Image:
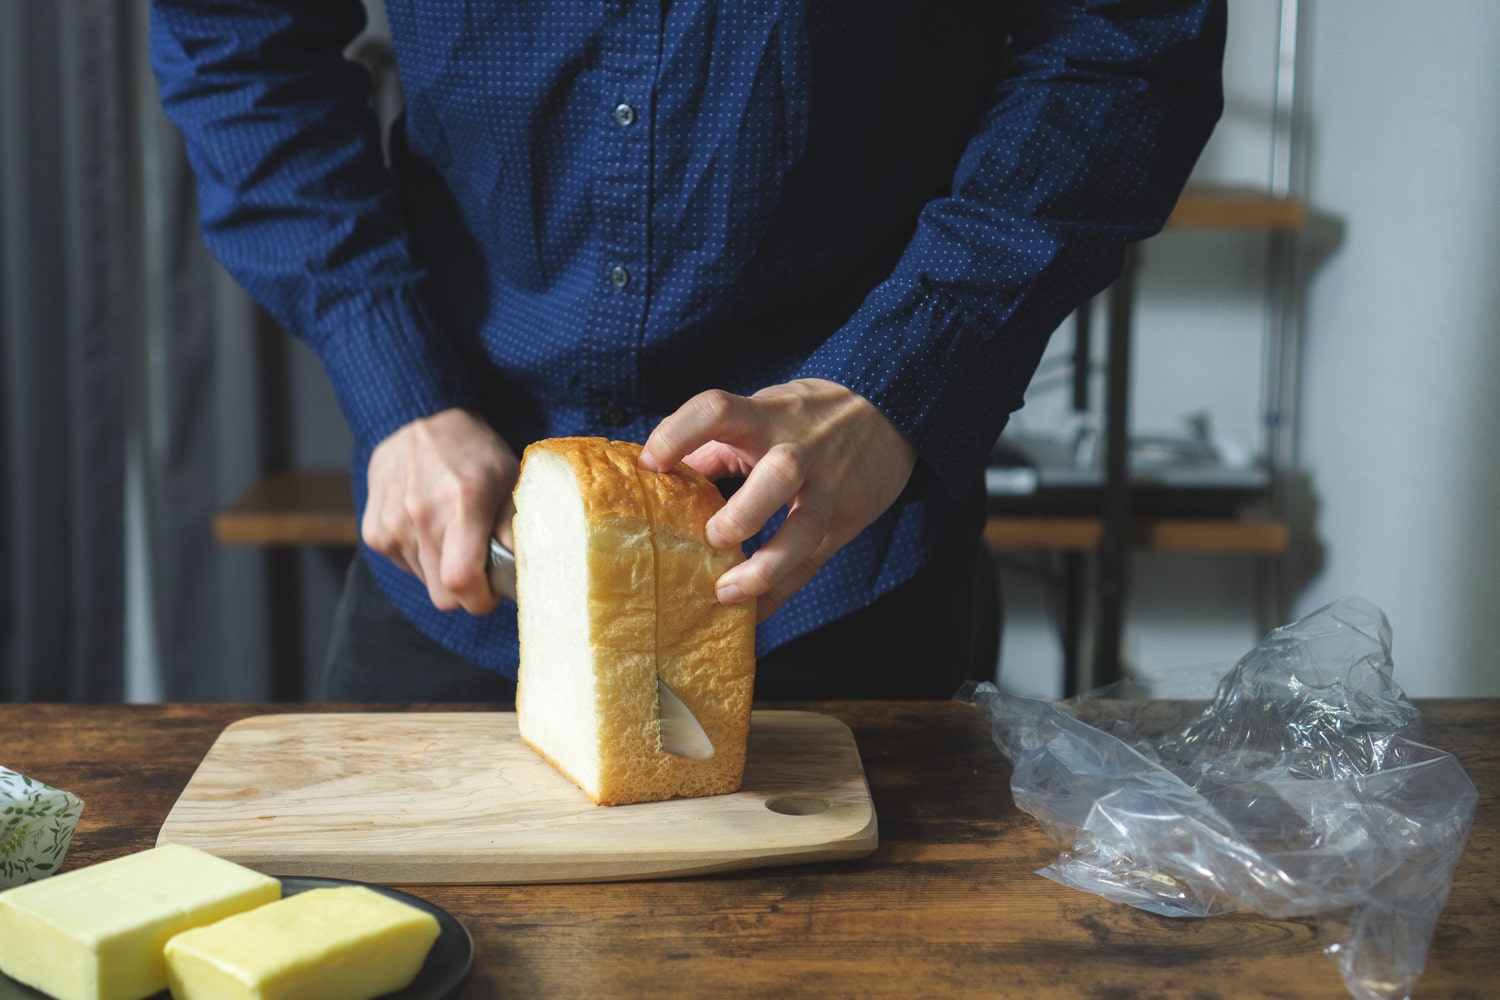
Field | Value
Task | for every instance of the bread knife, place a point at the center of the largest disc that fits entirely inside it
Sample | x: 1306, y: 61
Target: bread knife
x: 682, y: 734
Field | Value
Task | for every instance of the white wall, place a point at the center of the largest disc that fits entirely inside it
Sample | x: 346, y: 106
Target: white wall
x: 1401, y: 411
x: 1399, y: 140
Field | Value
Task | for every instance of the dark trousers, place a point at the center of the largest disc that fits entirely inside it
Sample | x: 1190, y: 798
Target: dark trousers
x: 920, y: 641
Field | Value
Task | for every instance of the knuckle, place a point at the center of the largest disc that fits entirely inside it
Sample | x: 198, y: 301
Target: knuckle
x: 756, y: 578
x: 806, y: 570
x: 459, y: 578
x: 418, y: 509
x: 717, y: 405
x: 794, y: 581
x: 788, y: 461
x: 383, y: 533
x: 811, y: 529
x: 371, y: 530
x: 731, y: 523
x: 469, y: 485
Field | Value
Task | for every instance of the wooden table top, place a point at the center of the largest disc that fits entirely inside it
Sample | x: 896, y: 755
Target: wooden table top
x: 947, y: 906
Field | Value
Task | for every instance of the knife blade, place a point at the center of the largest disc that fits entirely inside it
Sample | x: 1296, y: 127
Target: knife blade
x: 682, y: 734
x: 502, y: 570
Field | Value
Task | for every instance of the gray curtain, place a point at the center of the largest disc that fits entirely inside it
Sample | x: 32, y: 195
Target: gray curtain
x: 201, y: 423
x: 68, y: 308
x: 142, y: 392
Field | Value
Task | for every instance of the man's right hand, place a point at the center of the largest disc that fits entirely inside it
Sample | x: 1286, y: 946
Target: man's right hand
x: 438, y: 488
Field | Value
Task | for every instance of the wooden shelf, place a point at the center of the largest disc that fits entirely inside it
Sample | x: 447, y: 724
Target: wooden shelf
x: 313, y: 507
x: 1251, y: 536
x: 299, y: 507
x: 1235, y: 208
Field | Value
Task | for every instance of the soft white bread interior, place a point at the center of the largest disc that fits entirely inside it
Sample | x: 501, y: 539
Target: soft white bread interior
x: 615, y: 586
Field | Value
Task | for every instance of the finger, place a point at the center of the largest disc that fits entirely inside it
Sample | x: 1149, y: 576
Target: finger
x: 402, y: 548
x: 429, y: 556
x: 373, y: 534
x: 464, y: 559
x: 466, y: 532
x: 383, y: 534
x: 431, y: 575
x: 777, y: 478
x: 799, y: 539
x: 708, y: 416
x: 716, y: 460
x: 456, y: 535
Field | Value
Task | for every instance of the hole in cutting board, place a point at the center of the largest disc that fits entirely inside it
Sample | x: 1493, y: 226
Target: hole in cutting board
x: 794, y: 805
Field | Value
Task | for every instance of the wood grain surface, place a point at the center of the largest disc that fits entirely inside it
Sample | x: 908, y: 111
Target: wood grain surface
x: 947, y: 906
x: 457, y: 797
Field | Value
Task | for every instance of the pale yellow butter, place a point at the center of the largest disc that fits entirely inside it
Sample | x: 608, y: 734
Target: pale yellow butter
x: 345, y: 943
x: 98, y: 933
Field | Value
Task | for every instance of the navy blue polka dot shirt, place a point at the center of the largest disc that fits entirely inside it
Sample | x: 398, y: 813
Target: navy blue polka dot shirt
x: 592, y: 211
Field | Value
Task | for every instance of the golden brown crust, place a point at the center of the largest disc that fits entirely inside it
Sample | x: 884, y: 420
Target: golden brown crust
x: 651, y: 588
x: 705, y: 652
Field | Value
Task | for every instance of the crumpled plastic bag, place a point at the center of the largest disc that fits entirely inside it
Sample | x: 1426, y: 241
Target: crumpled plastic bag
x: 1300, y: 790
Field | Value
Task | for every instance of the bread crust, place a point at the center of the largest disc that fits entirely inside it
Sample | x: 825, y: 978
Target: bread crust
x: 652, y: 611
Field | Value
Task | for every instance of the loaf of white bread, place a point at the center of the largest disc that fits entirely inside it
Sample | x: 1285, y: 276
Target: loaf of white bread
x: 615, y: 586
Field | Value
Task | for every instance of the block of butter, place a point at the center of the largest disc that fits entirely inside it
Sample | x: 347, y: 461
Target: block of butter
x: 344, y: 943
x: 99, y: 933
x: 36, y: 827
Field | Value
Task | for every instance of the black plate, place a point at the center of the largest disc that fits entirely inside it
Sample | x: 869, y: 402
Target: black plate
x: 439, y: 978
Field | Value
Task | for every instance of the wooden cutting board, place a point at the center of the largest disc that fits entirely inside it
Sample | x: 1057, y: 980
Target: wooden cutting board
x: 400, y: 798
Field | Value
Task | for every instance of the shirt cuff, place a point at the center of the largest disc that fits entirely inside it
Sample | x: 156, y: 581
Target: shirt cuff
x: 390, y: 364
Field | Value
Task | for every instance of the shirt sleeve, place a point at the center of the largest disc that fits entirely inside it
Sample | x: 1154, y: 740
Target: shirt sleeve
x: 1102, y: 110
x: 295, y: 198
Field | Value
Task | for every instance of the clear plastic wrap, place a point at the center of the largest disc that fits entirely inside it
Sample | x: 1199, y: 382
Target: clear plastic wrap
x: 1300, y: 790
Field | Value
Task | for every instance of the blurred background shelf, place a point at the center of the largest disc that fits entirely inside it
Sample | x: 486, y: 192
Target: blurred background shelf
x: 1248, y: 536
x: 291, y: 507
x: 313, y: 507
x: 1236, y: 208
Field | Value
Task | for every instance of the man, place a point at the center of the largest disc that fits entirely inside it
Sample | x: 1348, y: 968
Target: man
x: 815, y: 247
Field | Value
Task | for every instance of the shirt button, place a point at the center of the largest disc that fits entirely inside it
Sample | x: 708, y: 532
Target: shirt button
x: 624, y: 115
x: 618, y: 276
x: 613, y: 417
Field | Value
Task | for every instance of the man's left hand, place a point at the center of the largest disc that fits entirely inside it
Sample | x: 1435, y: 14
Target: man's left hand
x: 811, y: 445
